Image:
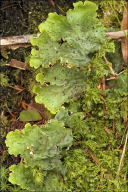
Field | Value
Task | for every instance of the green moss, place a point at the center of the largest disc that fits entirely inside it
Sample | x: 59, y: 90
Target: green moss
x: 105, y: 13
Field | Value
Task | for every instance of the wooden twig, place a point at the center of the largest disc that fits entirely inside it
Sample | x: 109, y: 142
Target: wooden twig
x: 107, y: 130
x: 103, y: 83
x: 25, y: 39
x: 122, y: 72
x: 122, y: 156
x: 116, y: 35
x: 103, y: 96
x: 94, y: 158
x: 111, y: 78
x: 109, y: 87
x: 21, y: 161
x: 123, y: 137
x: 11, y: 114
x: 18, y: 64
x: 114, y: 77
x: 18, y: 88
x: 110, y: 68
x: 88, y: 114
x: 113, y: 125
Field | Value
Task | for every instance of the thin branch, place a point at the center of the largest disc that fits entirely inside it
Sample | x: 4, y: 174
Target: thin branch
x: 116, y: 35
x: 111, y: 78
x: 107, y: 130
x: 88, y: 113
x: 113, y: 126
x: 122, y: 156
x: 122, y: 137
x: 15, y: 40
x: 93, y: 157
x: 122, y: 71
x: 114, y: 77
x: 25, y: 39
x: 110, y: 68
x: 109, y: 87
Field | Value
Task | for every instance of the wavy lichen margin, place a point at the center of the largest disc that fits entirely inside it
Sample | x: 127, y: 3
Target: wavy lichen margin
x: 70, y: 39
x: 58, y: 85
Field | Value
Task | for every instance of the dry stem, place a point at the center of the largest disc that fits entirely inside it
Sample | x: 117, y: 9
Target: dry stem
x: 25, y: 39
x: 122, y: 156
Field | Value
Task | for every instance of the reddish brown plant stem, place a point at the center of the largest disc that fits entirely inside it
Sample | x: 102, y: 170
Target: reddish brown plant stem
x: 88, y: 113
x: 113, y: 126
x: 94, y: 158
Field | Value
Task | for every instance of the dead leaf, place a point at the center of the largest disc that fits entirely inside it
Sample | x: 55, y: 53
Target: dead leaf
x: 52, y: 3
x: 24, y: 105
x: 124, y: 41
x: 45, y: 114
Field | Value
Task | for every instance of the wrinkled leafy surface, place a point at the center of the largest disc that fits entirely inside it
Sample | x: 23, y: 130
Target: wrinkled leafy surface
x: 28, y: 179
x: 22, y: 176
x: 70, y: 38
x: 75, y: 121
x: 47, y: 52
x: 65, y: 83
x: 62, y: 115
x: 40, y: 146
x: 52, y: 183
